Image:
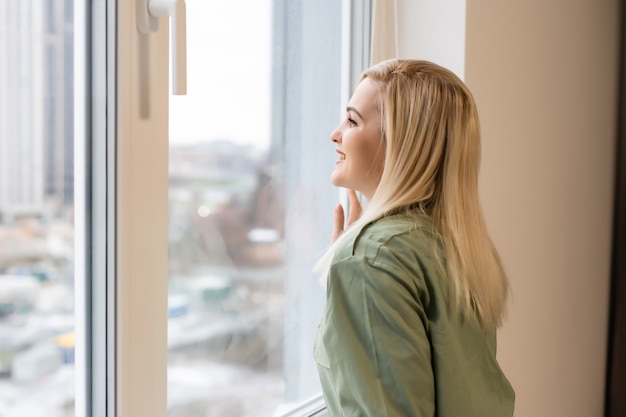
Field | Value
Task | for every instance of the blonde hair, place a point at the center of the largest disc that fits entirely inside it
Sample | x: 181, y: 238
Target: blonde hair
x: 432, y: 158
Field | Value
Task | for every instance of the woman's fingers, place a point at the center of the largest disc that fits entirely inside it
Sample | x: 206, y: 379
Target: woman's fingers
x: 338, y: 222
x: 339, y: 218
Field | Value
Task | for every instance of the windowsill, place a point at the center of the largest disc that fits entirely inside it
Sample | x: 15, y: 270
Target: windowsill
x: 314, y: 406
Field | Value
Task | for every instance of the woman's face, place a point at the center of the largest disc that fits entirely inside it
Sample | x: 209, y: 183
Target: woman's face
x: 359, y: 142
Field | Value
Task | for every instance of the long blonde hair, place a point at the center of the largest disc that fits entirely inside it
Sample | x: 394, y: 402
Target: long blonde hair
x: 432, y: 158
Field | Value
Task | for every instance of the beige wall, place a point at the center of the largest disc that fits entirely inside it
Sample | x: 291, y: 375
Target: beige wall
x: 544, y: 74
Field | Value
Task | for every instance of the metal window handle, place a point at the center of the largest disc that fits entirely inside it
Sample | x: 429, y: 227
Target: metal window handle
x: 148, y: 12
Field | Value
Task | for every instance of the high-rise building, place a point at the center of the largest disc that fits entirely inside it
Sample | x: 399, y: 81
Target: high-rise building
x: 36, y: 107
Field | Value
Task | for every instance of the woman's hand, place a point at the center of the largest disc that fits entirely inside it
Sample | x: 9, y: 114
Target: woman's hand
x: 339, y: 219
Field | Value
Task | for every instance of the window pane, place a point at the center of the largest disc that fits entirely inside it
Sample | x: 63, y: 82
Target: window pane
x: 250, y: 203
x: 36, y: 208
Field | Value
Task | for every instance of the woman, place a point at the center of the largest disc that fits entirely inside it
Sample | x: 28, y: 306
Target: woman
x: 415, y: 286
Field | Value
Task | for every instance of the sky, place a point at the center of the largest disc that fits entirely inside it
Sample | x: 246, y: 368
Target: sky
x: 228, y: 74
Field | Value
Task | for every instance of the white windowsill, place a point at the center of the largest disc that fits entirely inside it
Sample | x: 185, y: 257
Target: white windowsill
x: 314, y: 406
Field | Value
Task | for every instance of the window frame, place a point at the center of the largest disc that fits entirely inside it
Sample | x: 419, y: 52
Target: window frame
x: 95, y: 182
x: 141, y: 204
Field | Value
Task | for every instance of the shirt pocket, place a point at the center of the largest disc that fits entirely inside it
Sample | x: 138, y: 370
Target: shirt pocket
x: 319, y: 351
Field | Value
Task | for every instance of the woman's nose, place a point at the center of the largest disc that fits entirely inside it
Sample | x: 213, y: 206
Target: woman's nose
x: 335, y: 135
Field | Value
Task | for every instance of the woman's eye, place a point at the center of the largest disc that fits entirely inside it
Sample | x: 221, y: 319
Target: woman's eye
x: 351, y: 122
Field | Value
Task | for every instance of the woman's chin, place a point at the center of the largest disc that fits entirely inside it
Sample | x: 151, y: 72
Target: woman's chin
x: 335, y: 180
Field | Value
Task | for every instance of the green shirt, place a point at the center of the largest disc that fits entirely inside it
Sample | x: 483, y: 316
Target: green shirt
x: 390, y: 342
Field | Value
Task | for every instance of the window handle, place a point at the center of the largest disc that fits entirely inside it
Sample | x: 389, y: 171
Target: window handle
x: 148, y: 12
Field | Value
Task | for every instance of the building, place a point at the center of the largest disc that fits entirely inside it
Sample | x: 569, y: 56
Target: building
x: 36, y: 109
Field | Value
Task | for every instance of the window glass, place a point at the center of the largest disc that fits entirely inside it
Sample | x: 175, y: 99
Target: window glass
x: 250, y: 203
x: 36, y: 208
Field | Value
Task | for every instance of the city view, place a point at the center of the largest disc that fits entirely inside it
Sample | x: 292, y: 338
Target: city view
x: 226, y: 295
x: 36, y: 208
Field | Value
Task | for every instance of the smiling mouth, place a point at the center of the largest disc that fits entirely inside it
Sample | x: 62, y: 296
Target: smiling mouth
x: 342, y: 156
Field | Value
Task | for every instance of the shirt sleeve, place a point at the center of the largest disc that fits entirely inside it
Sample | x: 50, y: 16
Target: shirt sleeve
x: 375, y: 337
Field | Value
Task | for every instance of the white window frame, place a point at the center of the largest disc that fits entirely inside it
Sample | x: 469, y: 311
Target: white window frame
x: 94, y: 176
